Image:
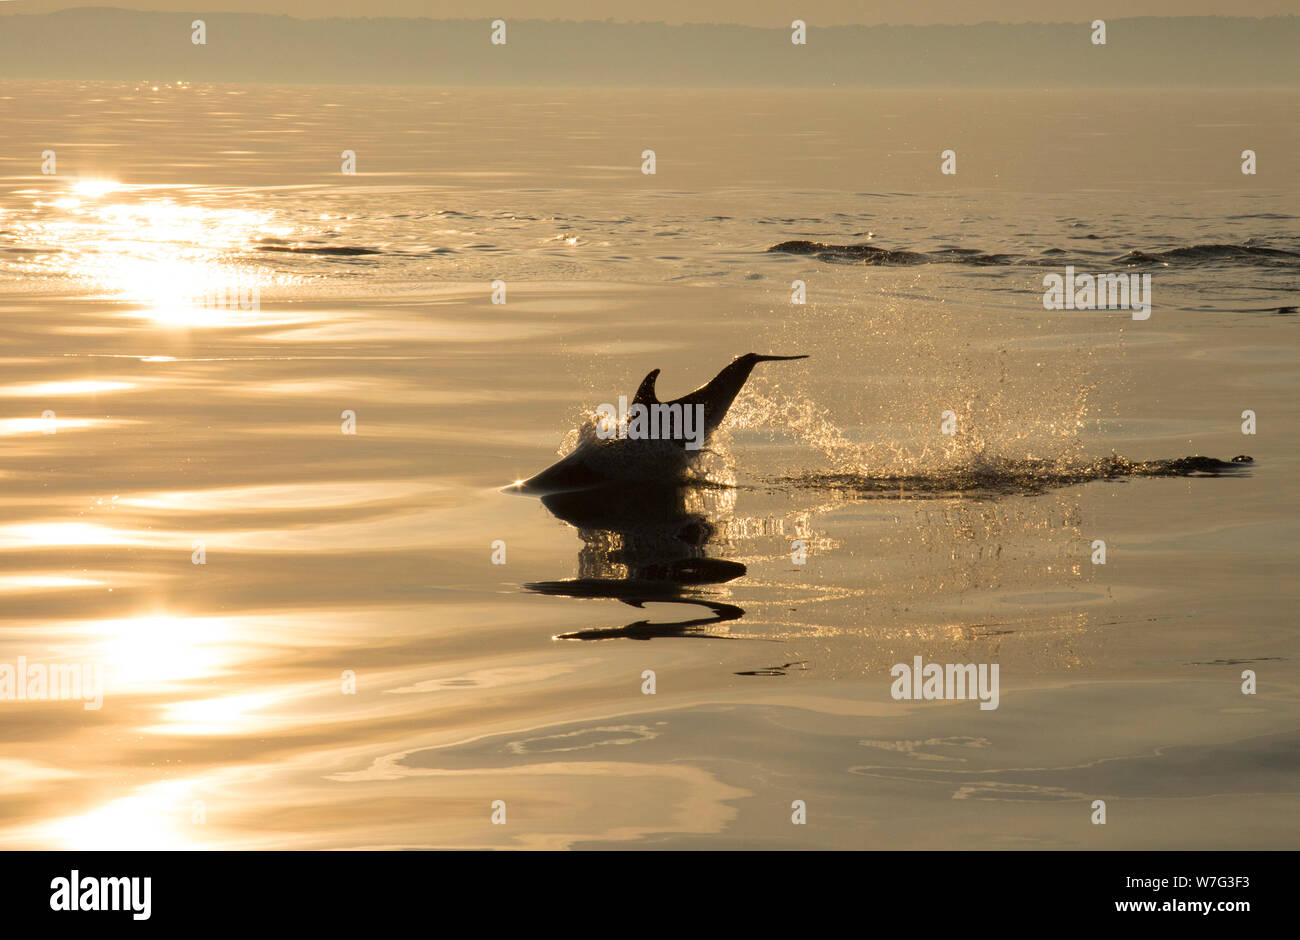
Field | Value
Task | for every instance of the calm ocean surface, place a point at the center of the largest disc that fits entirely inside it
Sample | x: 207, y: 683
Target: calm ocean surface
x: 348, y: 666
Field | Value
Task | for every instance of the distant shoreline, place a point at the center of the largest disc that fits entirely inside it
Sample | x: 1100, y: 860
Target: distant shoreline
x: 105, y: 43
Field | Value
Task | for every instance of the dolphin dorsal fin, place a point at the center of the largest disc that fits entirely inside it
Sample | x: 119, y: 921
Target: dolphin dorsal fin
x: 645, y: 394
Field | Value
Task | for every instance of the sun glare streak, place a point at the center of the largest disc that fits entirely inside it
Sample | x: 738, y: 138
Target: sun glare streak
x: 94, y: 188
x: 160, y: 649
x: 40, y: 582
x: 228, y: 714
x: 147, y: 821
x: 10, y: 426
x: 51, y: 389
x: 48, y: 534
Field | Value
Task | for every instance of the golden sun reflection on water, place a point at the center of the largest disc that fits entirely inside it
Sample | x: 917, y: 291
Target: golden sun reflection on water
x: 152, y: 819
x: 32, y: 582
x: 53, y: 389
x: 10, y: 426
x: 171, y: 258
x: 159, y: 648
x: 96, y: 187
x: 230, y: 714
x: 49, y: 534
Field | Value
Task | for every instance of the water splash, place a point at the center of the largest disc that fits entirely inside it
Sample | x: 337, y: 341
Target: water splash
x: 991, y: 477
x: 984, y: 459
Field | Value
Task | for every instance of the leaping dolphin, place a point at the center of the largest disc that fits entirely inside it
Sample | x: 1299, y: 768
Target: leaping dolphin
x: 598, y: 463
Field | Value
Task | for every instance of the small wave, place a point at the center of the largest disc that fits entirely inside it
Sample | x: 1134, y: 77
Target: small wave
x: 1189, y: 254
x: 1010, y: 477
x: 1247, y: 254
x: 321, y: 249
x: 870, y: 254
x: 850, y: 254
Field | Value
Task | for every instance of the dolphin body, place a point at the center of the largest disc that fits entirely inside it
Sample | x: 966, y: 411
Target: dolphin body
x: 595, y: 464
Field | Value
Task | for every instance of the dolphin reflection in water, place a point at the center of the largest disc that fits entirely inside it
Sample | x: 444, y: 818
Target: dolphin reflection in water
x: 647, y: 547
x: 643, y: 521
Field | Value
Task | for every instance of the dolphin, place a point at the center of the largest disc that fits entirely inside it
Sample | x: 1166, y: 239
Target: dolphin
x: 595, y: 464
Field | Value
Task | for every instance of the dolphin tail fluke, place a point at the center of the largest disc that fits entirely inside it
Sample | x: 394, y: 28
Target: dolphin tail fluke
x: 717, y: 395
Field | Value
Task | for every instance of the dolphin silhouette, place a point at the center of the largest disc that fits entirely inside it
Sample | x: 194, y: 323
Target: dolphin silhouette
x: 595, y: 464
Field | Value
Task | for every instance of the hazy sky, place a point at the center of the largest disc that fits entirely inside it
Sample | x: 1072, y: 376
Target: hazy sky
x: 750, y: 12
